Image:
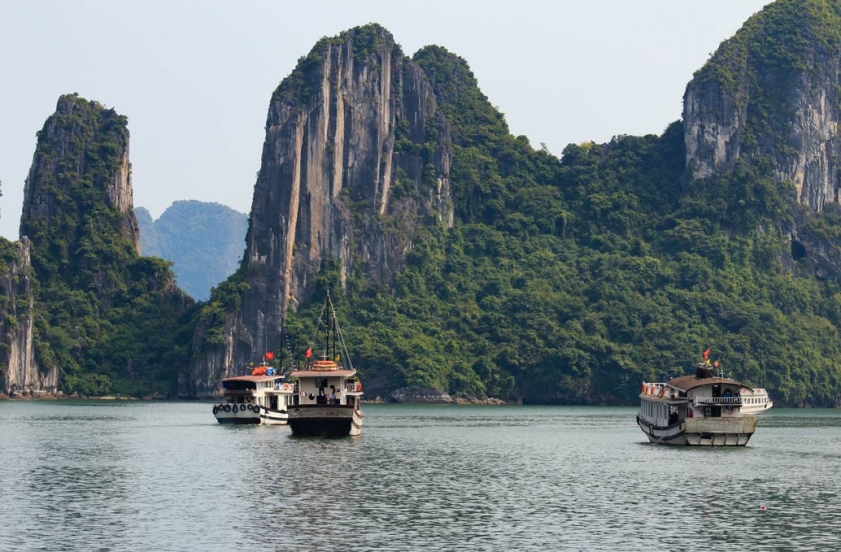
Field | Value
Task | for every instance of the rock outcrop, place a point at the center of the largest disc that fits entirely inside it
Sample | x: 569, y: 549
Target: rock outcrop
x: 772, y: 92
x: 19, y: 374
x: 106, y: 318
x: 76, y: 145
x: 355, y: 164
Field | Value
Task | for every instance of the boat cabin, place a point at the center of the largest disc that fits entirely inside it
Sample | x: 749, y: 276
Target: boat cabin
x: 323, y: 383
x: 269, y: 391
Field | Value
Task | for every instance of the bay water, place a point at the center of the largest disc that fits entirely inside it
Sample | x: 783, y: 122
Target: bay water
x: 132, y: 475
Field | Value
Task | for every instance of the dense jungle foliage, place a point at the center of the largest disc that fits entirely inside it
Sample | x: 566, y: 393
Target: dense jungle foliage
x: 109, y: 319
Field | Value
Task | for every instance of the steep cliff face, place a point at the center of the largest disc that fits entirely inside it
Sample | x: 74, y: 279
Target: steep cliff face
x: 356, y: 160
x: 772, y: 91
x: 18, y: 370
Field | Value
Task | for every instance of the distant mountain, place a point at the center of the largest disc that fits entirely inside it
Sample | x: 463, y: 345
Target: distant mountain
x: 205, y: 242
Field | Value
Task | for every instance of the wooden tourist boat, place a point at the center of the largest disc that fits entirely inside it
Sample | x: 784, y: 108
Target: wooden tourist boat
x: 328, y: 393
x: 702, y: 409
x: 261, y: 398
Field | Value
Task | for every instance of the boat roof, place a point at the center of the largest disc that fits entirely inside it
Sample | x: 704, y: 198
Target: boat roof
x: 685, y: 383
x: 252, y: 378
x: 322, y: 373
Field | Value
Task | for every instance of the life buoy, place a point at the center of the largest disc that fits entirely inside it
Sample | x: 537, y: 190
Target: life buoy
x: 215, y: 409
x: 358, y: 386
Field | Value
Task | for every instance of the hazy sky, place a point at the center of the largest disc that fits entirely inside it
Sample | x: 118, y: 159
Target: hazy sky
x: 195, y: 77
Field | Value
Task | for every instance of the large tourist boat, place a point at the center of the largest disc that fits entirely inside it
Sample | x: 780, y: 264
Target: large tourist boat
x: 701, y: 409
x: 328, y: 391
x: 260, y: 398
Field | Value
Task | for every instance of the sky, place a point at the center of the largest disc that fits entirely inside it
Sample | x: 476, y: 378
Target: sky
x: 194, y: 77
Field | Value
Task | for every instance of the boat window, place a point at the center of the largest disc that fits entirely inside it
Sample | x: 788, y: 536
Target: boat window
x: 238, y: 385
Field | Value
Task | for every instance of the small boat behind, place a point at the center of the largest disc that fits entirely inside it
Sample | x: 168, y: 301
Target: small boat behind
x: 256, y: 399
x: 755, y: 401
x: 702, y: 409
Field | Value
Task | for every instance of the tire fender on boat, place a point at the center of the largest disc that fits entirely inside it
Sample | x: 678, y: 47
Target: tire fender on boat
x: 235, y: 409
x: 227, y: 408
x: 215, y: 409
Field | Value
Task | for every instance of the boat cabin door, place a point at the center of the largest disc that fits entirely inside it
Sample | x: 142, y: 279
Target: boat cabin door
x: 273, y: 402
x: 715, y: 410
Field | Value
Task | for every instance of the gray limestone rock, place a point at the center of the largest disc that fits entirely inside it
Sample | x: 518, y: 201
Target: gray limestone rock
x: 356, y: 164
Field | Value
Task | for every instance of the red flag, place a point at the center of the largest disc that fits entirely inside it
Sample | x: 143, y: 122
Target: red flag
x: 270, y: 355
x: 707, y: 353
x: 308, y: 354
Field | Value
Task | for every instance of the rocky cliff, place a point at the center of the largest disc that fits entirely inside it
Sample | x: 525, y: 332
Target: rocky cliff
x: 772, y: 92
x: 105, y: 318
x: 19, y: 373
x: 355, y: 164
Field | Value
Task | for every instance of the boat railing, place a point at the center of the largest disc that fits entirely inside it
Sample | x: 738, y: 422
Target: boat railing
x: 732, y: 400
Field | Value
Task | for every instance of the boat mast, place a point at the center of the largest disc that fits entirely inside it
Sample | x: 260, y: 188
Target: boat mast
x: 282, y: 325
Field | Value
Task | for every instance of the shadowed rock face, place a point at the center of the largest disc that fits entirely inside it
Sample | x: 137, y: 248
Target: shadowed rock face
x: 20, y: 373
x: 356, y: 160
x: 772, y: 91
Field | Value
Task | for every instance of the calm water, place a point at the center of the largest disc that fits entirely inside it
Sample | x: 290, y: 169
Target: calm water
x: 98, y: 475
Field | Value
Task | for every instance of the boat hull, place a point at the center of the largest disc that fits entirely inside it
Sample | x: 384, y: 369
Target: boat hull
x: 702, y: 431
x: 250, y: 416
x: 325, y: 420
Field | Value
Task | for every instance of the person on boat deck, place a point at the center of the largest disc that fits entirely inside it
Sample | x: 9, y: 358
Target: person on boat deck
x: 332, y: 392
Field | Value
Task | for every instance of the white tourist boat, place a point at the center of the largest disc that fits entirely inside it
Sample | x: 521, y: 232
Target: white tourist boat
x: 755, y: 401
x: 255, y: 399
x: 703, y: 409
x: 328, y: 392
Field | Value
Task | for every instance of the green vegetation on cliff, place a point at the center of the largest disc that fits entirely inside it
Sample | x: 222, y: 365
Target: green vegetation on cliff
x: 573, y: 280
x: 110, y: 320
